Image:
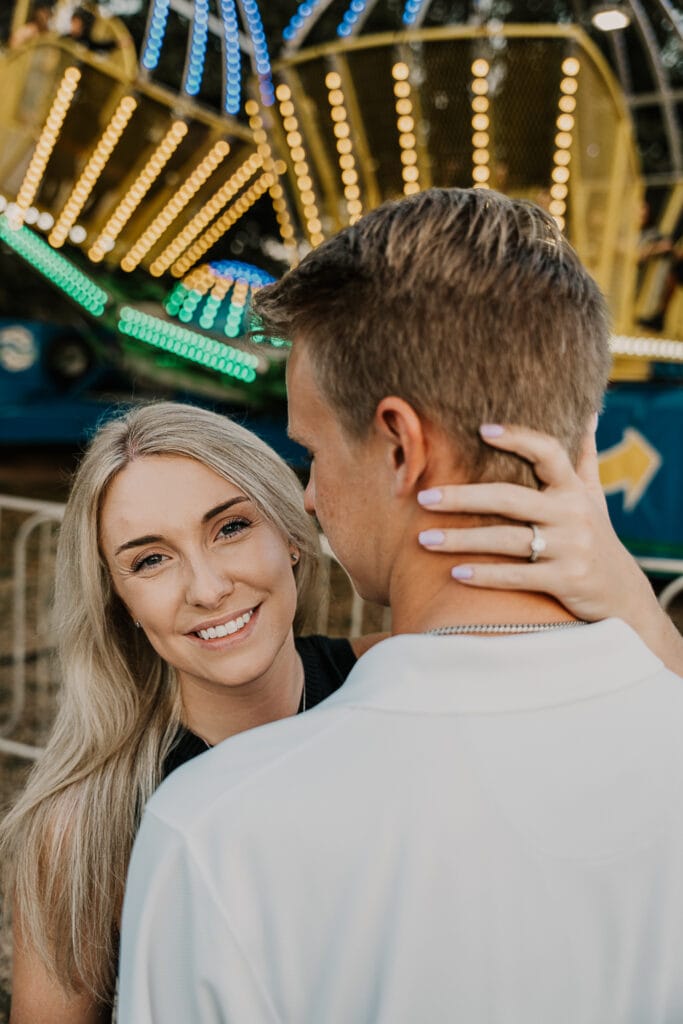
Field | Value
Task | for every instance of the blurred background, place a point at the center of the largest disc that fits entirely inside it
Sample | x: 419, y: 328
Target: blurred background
x: 164, y: 159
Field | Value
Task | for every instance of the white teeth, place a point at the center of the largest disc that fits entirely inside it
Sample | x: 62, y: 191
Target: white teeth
x: 225, y: 628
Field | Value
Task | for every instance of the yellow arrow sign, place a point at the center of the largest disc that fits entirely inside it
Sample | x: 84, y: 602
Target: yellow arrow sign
x: 629, y: 467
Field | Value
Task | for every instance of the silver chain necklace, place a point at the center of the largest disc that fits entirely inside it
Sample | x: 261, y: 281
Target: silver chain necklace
x: 505, y: 627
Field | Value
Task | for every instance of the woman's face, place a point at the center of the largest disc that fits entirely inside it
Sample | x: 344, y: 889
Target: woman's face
x: 208, y: 578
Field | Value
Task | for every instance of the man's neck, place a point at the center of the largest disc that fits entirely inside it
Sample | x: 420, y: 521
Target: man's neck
x: 424, y: 596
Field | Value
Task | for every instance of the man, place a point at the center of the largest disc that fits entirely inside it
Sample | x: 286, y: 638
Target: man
x: 475, y: 827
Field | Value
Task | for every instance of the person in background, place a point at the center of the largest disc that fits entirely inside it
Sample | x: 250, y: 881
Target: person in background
x: 81, y: 30
x: 39, y: 24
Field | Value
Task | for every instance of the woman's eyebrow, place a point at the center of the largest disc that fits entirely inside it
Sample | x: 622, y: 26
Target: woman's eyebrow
x: 207, y: 517
x: 138, y: 542
x: 221, y: 508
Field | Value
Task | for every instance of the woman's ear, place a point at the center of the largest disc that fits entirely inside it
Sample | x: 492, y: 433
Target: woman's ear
x: 403, y: 432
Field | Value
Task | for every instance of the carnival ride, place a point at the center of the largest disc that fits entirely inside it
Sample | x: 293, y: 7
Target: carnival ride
x: 133, y: 159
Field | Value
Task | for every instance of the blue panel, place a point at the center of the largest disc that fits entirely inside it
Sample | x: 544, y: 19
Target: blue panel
x: 639, y: 441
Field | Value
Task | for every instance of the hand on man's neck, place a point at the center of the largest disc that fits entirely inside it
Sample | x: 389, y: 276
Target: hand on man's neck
x: 423, y: 595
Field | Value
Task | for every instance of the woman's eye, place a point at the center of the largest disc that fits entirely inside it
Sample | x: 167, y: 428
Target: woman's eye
x: 148, y: 562
x: 233, y: 527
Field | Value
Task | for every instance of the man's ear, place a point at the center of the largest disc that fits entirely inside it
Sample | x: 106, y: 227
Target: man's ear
x: 403, y: 432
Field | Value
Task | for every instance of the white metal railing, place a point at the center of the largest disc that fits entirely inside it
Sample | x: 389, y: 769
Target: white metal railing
x: 665, y: 567
x: 36, y: 533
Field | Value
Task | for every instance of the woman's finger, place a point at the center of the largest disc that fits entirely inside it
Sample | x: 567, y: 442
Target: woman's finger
x: 505, y: 575
x: 514, y: 541
x: 510, y: 500
x: 588, y: 469
x: 550, y: 460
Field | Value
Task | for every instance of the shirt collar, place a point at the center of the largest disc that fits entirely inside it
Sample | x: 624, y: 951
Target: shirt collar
x: 491, y: 675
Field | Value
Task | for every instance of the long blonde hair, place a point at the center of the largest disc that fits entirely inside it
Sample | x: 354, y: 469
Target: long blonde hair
x: 68, y: 839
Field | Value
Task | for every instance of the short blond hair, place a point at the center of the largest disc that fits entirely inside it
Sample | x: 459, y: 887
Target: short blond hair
x: 471, y: 306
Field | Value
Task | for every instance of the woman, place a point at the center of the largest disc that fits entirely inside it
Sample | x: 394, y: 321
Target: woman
x: 186, y: 566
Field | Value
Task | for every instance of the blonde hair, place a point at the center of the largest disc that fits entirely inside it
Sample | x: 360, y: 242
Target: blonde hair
x: 68, y: 839
x: 472, y: 307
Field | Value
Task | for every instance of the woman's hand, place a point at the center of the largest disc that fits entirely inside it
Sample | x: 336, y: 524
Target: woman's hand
x: 584, y: 564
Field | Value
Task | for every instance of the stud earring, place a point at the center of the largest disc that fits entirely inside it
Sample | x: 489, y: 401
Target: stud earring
x: 294, y: 555
x: 137, y: 624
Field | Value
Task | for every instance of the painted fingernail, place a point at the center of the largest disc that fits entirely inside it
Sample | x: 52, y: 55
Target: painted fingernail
x: 462, y: 572
x: 431, y: 497
x: 491, y: 430
x: 431, y: 537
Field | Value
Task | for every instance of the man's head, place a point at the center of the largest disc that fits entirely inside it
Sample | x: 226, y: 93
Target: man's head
x: 426, y: 319
x: 471, y: 306
x: 42, y: 14
x: 82, y: 23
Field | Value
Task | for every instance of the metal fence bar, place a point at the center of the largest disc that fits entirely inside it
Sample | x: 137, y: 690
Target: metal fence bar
x: 666, y: 567
x: 42, y: 516
x: 15, y: 749
x: 19, y: 618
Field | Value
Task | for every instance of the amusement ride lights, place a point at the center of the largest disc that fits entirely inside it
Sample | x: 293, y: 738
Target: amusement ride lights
x: 213, y: 303
x: 202, y: 219
x: 261, y: 55
x: 299, y: 20
x: 156, y: 31
x: 194, y: 70
x: 651, y: 348
x: 46, y: 142
x: 223, y: 224
x: 238, y: 302
x: 351, y: 18
x: 405, y: 124
x: 297, y: 154
x: 175, y: 205
x: 92, y: 171
x: 196, y: 57
x: 480, y: 123
x: 137, y: 191
x: 233, y: 57
x: 563, y: 140
x: 217, y: 279
x: 277, y: 194
x: 411, y: 12
x: 342, y: 132
x: 55, y: 267
x: 215, y: 355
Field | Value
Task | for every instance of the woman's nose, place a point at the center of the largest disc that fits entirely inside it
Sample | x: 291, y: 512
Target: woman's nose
x: 208, y: 583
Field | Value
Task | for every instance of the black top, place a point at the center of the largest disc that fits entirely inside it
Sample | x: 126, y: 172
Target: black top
x: 327, y: 662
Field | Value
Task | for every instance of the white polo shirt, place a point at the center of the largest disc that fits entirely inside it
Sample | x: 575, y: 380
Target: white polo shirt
x: 472, y: 829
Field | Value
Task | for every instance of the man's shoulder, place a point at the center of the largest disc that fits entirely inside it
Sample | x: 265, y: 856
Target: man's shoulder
x: 241, y: 766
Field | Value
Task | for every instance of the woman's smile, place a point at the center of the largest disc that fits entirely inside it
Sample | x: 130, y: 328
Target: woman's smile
x: 233, y: 627
x: 199, y: 566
